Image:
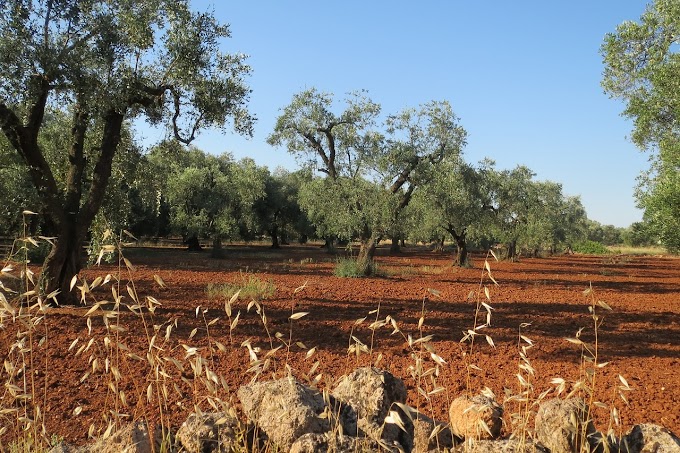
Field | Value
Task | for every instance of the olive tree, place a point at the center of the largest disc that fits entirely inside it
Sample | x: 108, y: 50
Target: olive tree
x: 418, y: 141
x: 371, y: 169
x: 642, y: 68
x: 553, y: 220
x: 278, y: 212
x: 458, y: 201
x: 344, y: 147
x: 106, y: 64
x: 515, y: 196
x: 213, y: 198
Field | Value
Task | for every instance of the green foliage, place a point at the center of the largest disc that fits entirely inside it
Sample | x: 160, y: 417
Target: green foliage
x: 457, y: 202
x: 588, y: 247
x: 605, y: 234
x: 642, y: 67
x: 212, y: 196
x: 345, y: 207
x: 639, y: 234
x: 16, y: 191
x: 99, y: 68
x: 37, y: 253
x: 249, y: 285
x: 659, y: 195
x: 371, y: 170
x: 278, y: 213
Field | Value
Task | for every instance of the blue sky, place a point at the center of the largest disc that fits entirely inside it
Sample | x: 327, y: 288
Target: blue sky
x: 523, y: 76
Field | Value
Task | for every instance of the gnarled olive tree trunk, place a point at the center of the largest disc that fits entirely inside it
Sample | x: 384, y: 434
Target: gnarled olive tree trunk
x: 461, y: 246
x: 368, y: 243
x: 67, y: 212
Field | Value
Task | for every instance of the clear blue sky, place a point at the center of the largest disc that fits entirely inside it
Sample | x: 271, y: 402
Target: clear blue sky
x: 523, y: 76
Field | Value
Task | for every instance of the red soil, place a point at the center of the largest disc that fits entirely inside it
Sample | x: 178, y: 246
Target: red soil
x: 640, y: 338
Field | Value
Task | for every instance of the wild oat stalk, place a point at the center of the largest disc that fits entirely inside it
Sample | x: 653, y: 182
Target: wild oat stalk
x: 524, y: 399
x: 590, y: 364
x: 22, y: 402
x: 481, y: 305
x: 259, y: 365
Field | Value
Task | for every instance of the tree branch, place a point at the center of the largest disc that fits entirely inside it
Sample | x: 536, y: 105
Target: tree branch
x: 175, y: 127
x: 37, y: 110
x: 25, y: 142
x: 46, y: 26
x: 113, y: 122
x: 76, y: 158
x: 331, y: 149
x: 318, y: 147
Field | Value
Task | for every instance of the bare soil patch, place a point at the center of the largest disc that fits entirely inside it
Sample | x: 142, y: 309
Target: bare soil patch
x: 640, y: 338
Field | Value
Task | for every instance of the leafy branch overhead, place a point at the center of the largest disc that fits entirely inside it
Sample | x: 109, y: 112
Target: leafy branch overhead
x: 642, y: 68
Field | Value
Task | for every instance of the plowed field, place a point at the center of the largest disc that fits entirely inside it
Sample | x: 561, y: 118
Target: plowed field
x: 639, y: 338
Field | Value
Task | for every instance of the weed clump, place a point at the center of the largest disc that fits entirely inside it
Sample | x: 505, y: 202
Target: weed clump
x: 248, y: 286
x: 351, y: 268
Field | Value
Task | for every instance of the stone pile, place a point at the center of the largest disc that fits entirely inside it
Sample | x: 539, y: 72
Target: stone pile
x: 367, y: 412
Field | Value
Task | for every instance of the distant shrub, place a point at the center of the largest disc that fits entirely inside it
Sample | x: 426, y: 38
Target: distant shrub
x: 590, y: 248
x: 350, y: 268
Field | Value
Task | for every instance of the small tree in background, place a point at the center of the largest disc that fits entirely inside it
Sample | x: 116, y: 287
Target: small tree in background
x: 457, y: 202
x: 213, y: 198
x: 515, y: 196
x: 279, y: 213
x: 344, y: 148
x: 418, y: 142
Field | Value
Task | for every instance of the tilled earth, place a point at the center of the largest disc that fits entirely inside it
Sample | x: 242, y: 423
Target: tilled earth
x: 544, y: 297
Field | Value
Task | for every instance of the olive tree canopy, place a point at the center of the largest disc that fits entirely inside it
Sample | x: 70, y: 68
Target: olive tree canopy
x: 107, y: 63
x: 642, y: 67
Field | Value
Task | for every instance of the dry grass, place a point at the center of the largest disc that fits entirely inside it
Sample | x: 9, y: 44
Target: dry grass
x: 631, y: 250
x: 248, y: 285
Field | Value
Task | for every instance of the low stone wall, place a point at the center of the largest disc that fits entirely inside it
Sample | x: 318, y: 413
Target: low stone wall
x: 367, y: 412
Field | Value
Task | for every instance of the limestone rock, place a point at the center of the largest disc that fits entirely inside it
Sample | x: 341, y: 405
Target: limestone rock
x: 423, y: 439
x: 468, y: 416
x: 322, y: 443
x: 133, y: 438
x: 500, y: 446
x: 215, y: 432
x: 650, y: 438
x: 285, y: 410
x: 372, y: 393
x: 561, y: 425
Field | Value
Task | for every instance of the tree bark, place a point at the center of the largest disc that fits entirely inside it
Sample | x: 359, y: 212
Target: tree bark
x: 63, y: 262
x: 274, y: 233
x: 395, y: 247
x: 193, y: 244
x: 329, y: 245
x: 72, y: 220
x: 365, y: 258
x: 461, y: 246
x: 63, y: 211
x: 439, y: 244
x: 512, y: 250
x: 217, y: 250
x: 368, y: 243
